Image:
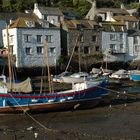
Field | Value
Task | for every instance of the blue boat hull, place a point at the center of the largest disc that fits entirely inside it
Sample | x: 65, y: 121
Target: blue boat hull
x: 135, y: 77
x: 17, y: 103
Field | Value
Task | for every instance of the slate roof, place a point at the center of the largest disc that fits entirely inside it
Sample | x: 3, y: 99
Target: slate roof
x: 136, y: 33
x: 50, y: 11
x: 21, y: 23
x: 89, y: 24
x: 126, y: 18
x: 113, y: 10
x: 114, y: 27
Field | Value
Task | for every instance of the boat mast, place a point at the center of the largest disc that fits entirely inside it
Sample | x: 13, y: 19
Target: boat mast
x: 79, y: 52
x: 48, y: 68
x: 9, y: 59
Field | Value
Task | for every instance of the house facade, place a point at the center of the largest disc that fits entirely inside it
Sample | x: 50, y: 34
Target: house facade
x: 131, y: 22
x: 27, y: 42
x: 50, y: 14
x: 134, y: 46
x: 84, y: 34
x: 114, y: 42
x: 102, y: 12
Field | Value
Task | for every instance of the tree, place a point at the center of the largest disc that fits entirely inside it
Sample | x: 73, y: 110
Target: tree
x: 18, y: 5
x: 6, y: 5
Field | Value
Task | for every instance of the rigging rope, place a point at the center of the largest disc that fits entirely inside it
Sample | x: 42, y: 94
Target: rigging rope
x: 72, y: 52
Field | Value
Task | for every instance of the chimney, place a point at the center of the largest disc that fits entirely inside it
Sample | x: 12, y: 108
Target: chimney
x: 94, y: 4
x: 35, y: 5
x: 122, y: 6
x: 109, y: 17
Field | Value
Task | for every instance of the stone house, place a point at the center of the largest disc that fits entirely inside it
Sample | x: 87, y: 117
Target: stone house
x: 90, y: 38
x: 51, y: 14
x: 26, y: 42
x: 101, y: 13
x: 131, y: 22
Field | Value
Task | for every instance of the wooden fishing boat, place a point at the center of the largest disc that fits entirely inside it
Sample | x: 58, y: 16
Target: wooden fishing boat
x: 82, y: 95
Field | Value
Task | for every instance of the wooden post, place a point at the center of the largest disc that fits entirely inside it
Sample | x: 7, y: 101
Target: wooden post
x: 48, y: 67
x: 9, y: 59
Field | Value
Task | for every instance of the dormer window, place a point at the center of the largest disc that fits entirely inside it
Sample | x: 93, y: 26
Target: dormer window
x: 44, y: 24
x: 30, y: 23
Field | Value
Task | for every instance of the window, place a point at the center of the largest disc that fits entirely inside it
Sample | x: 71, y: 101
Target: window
x: 81, y: 38
x: 76, y: 49
x: 94, y: 38
x: 11, y: 49
x: 49, y: 38
x: 45, y: 17
x: 39, y: 50
x: 112, y: 46
x: 11, y: 39
x: 112, y: 37
x: 136, y: 49
x: 52, y: 51
x: 39, y: 38
x: 27, y: 38
x: 135, y: 39
x: 121, y: 37
x: 28, y: 51
x: 86, y: 50
x: 97, y: 48
x: 30, y: 23
x: 121, y: 46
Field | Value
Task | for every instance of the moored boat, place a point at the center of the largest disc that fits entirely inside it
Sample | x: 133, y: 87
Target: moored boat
x: 135, y: 75
x: 82, y: 95
x: 120, y: 74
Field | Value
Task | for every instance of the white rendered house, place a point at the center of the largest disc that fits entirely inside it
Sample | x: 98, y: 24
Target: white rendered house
x: 27, y: 42
x: 114, y: 42
x: 50, y: 14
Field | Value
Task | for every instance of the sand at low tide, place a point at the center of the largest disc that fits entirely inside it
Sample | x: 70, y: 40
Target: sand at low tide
x: 117, y: 122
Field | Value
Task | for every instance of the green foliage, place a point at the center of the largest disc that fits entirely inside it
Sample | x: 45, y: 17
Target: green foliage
x: 6, y: 5
x: 75, y: 3
x: 79, y: 6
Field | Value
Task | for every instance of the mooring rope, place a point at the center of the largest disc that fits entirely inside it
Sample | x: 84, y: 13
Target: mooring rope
x: 25, y: 112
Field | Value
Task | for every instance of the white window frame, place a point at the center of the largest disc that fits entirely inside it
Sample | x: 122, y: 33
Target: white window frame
x: 39, y: 38
x: 27, y: 38
x: 49, y: 38
x: 112, y: 37
x: 52, y: 51
x: 39, y: 49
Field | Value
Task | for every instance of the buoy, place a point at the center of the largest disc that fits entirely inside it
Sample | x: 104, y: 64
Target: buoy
x: 35, y: 134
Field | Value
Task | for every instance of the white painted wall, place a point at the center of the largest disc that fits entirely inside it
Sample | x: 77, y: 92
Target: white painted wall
x: 133, y: 54
x: 106, y: 46
x: 34, y: 59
